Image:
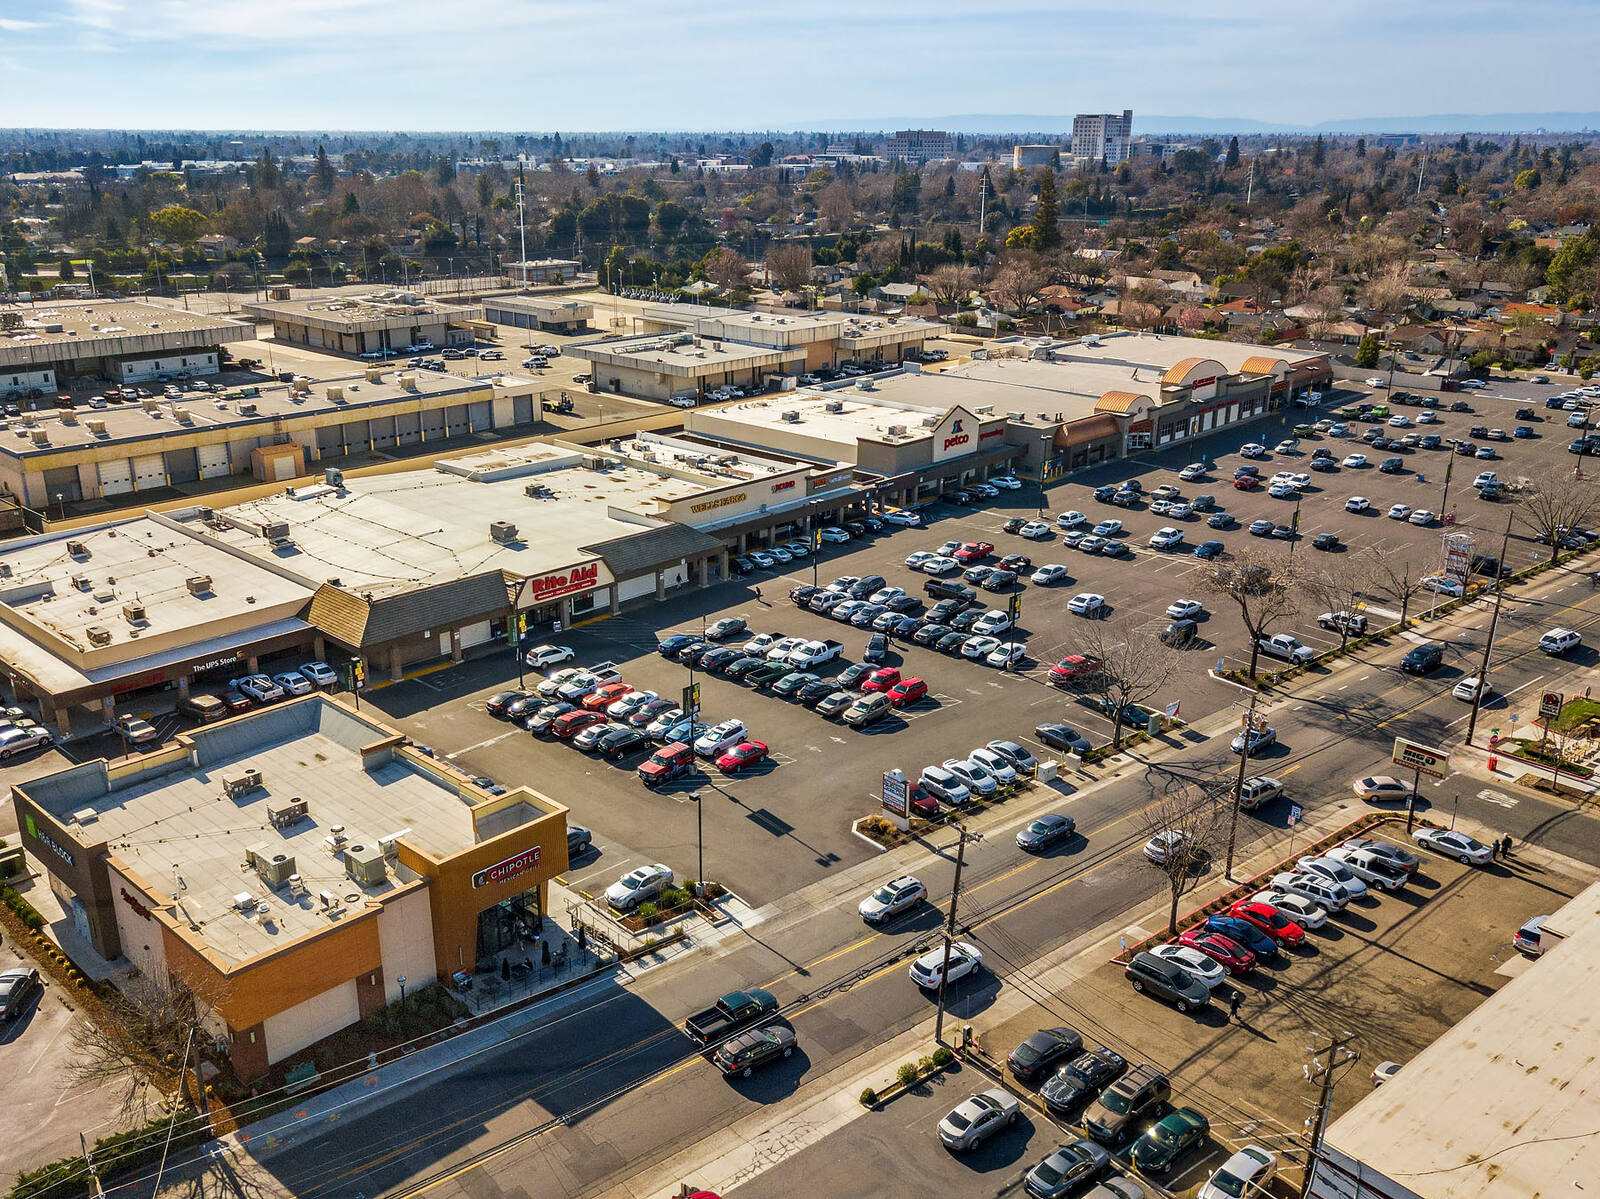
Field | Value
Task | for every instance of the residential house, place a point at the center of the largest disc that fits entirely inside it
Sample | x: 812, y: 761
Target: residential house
x: 1421, y: 339
x: 217, y: 246
x: 1516, y: 312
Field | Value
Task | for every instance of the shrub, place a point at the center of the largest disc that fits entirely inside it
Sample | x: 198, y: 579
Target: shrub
x: 925, y: 1065
x: 868, y: 1097
x: 906, y: 1074
x: 26, y: 912
x: 943, y: 1057
x: 649, y: 912
x: 672, y: 897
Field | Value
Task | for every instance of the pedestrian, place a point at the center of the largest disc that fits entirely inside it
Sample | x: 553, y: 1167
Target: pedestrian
x: 1505, y: 847
x: 758, y: 596
x: 1234, y: 1000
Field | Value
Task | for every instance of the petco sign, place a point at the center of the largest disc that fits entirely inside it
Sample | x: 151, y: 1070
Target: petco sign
x: 956, y: 434
x: 504, y: 872
x: 543, y: 588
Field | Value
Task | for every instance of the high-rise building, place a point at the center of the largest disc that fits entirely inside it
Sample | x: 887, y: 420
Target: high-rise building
x: 1102, y: 136
x: 1023, y: 157
x: 917, y: 146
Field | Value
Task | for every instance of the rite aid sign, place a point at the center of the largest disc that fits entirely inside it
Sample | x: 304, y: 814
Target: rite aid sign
x: 585, y: 576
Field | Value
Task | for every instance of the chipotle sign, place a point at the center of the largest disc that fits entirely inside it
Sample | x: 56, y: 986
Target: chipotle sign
x: 504, y: 872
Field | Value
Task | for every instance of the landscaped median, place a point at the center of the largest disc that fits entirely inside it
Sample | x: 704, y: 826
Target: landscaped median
x: 883, y: 833
x: 908, y: 1076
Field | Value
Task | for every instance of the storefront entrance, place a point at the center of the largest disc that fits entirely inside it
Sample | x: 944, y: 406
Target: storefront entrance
x: 510, y: 924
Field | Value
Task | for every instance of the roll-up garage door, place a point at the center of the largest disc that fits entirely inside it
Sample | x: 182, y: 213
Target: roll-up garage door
x: 456, y: 419
x: 382, y: 432
x: 116, y: 477
x: 522, y: 409
x: 474, y: 634
x: 481, y: 415
x: 62, y: 481
x: 213, y: 460
x: 328, y: 440
x: 182, y: 466
x: 433, y: 424
x: 357, y: 433
x: 407, y: 428
x: 149, y: 470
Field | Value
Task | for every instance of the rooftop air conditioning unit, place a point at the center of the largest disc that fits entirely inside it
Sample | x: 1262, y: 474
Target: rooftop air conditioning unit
x: 85, y: 816
x: 244, y: 901
x: 277, y: 530
x: 69, y: 417
x: 97, y: 428
x: 133, y: 613
x: 594, y: 462
x: 374, y: 374
x: 390, y: 845
x: 335, y: 395
x: 77, y: 549
x: 181, y: 415
x: 98, y: 634
x: 243, y: 783
x: 152, y: 406
x: 409, y: 381
x: 39, y: 437
x: 897, y: 430
x: 207, y: 515
x: 81, y: 582
x: 284, y: 815
x: 333, y: 477
x: 791, y: 416
x: 503, y: 531
x: 365, y: 864
x: 833, y: 406
x: 274, y: 866
x: 247, y: 409
x: 198, y: 584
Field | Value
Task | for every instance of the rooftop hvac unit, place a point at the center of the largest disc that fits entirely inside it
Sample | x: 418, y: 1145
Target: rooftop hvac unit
x: 85, y: 816
x: 69, y: 417
x: 77, y: 549
x: 274, y: 866
x: 98, y: 634
x: 503, y: 531
x: 181, y: 415
x: 833, y: 406
x: 594, y: 462
x: 244, y: 901
x: 246, y: 781
x: 333, y: 477
x: 97, y: 428
x: 374, y: 374
x: 152, y: 406
x: 282, y: 815
x: 791, y: 416
x: 409, y: 381
x: 335, y: 395
x: 207, y: 515
x: 277, y: 530
x: 897, y: 430
x: 81, y: 582
x: 198, y: 584
x: 365, y: 864
x: 930, y: 422
x: 39, y: 437
x: 247, y: 409
x: 133, y: 613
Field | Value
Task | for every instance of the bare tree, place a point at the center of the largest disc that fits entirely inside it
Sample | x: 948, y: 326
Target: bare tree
x: 139, y: 1049
x: 1188, y: 825
x: 1386, y: 291
x: 727, y: 269
x: 1393, y: 577
x: 1015, y: 283
x: 789, y: 264
x: 1134, y: 667
x: 949, y: 284
x: 1340, y: 586
x: 836, y: 207
x: 1262, y: 588
x: 1555, y: 501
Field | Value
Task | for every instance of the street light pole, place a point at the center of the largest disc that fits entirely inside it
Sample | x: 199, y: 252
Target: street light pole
x: 700, y: 834
x: 1238, y: 786
x: 1494, y: 622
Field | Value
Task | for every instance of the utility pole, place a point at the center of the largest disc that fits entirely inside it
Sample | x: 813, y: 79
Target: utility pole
x: 1250, y: 183
x: 950, y: 923
x: 1494, y: 622
x: 1319, y: 1071
x: 1238, y: 786
x: 983, y: 201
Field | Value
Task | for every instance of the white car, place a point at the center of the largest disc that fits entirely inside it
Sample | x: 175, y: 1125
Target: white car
x: 979, y: 647
x: 1298, y: 908
x: 1006, y: 482
x: 1399, y: 421
x: 1318, y: 890
x: 1487, y: 476
x: 549, y: 655
x: 1247, y: 1172
x: 1184, y: 609
x: 974, y: 777
x: 18, y: 740
x: 762, y: 559
x: 320, y: 673
x: 1473, y: 384
x: 1086, y: 603
x: 889, y: 900
x: 1559, y: 641
x: 293, y: 682
x: 633, y: 888
x: 1374, y: 381
x: 1194, y: 963
x: 1452, y: 844
x: 631, y: 702
x: 1071, y: 519
x: 906, y: 520
x: 1354, y: 460
x: 1164, y: 844
x: 991, y: 622
x: 1166, y: 538
x: 977, y: 1118
x: 1194, y: 471
x: 1467, y: 689
x: 780, y: 649
x: 965, y: 958
x: 940, y: 565
x: 884, y: 594
x: 1381, y: 786
x: 1399, y: 511
x: 995, y: 763
x: 1443, y: 585
x: 719, y: 738
x: 683, y: 401
x: 1357, y: 503
x: 1034, y: 530
x: 260, y: 688
x: 1422, y: 517
x: 833, y: 535
x: 915, y: 561
x: 1047, y: 574
x: 1007, y: 653
x: 1252, y: 449
x: 1334, y: 871
x: 1180, y: 509
x: 761, y: 643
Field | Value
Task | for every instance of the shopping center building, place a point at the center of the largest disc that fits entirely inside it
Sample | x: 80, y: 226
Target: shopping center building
x: 297, y: 868
x: 369, y: 322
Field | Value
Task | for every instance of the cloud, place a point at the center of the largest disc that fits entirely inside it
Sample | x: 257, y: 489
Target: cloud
x: 12, y: 25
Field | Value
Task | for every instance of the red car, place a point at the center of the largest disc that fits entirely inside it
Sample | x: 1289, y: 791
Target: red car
x: 907, y: 691
x: 746, y: 753
x: 881, y: 680
x: 602, y: 698
x: 569, y: 726
x: 923, y: 804
x: 1073, y: 666
x: 236, y: 702
x: 1270, y: 921
x: 973, y: 551
x: 1229, y: 952
x: 1246, y: 482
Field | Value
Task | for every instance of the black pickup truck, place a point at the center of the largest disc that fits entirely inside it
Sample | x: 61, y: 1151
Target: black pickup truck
x: 734, y: 1011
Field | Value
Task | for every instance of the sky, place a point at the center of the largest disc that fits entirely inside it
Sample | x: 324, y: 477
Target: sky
x: 576, y: 65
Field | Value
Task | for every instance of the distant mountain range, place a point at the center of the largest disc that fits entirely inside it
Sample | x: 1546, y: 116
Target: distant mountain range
x: 1057, y: 126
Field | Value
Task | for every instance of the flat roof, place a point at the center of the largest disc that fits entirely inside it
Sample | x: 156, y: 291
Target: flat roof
x: 800, y: 328
x: 540, y: 305
x: 105, y: 328
x: 390, y: 308
x: 390, y: 533
x: 1159, y: 351
x: 62, y: 619
x: 898, y: 401
x: 1508, y: 1100
x: 1032, y: 385
x: 682, y: 354
x: 169, y: 824
x: 161, y: 418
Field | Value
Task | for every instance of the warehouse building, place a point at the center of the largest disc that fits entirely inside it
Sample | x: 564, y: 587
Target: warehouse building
x: 45, y: 347
x: 297, y: 868
x: 558, y: 314
x: 829, y: 338
x: 272, y: 432
x: 1505, y: 1104
x: 371, y: 323
x: 544, y: 270
x: 683, y: 366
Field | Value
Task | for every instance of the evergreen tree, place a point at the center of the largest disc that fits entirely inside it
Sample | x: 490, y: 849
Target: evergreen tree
x: 1462, y: 145
x: 1233, y: 154
x: 268, y: 176
x: 324, y: 171
x: 1319, y: 152
x: 352, y: 206
x: 1361, y: 147
x: 1046, y: 222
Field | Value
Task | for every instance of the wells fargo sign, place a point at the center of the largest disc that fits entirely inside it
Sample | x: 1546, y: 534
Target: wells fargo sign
x: 720, y: 501
x: 542, y: 588
x: 504, y: 872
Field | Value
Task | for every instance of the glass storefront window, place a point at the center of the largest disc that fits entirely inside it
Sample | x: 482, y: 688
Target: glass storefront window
x: 510, y: 924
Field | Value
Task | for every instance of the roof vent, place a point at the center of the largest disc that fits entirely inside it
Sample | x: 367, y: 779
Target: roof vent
x: 198, y: 584
x: 40, y: 437
x: 335, y: 395
x: 77, y: 549
x: 791, y: 416
x: 98, y: 634
x: 503, y: 531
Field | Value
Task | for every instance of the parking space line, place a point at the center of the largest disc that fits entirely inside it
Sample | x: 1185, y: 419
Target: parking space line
x: 511, y: 732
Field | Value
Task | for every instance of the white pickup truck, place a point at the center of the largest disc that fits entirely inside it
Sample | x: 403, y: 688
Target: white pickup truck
x: 1287, y: 647
x: 809, y: 654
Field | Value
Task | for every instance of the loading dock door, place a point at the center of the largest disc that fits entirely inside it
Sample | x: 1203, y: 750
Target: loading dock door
x: 522, y: 409
x: 116, y: 477
x: 213, y: 461
x: 408, y: 428
x: 382, y: 432
x: 433, y: 425
x: 62, y: 481
x: 149, y: 471
x: 182, y: 465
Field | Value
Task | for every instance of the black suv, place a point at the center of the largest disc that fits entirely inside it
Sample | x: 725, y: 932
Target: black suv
x: 949, y: 589
x: 1422, y: 658
x: 865, y: 586
x: 1142, y: 1092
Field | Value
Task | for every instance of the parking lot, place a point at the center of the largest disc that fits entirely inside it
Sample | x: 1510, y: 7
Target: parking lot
x: 1446, y: 937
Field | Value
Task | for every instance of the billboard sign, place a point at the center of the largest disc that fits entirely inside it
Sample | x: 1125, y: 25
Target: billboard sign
x: 1422, y: 758
x: 897, y: 797
x: 1550, y: 704
x: 1458, y: 556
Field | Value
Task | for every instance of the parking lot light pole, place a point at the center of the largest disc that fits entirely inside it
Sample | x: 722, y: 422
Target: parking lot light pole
x: 700, y: 835
x: 1244, y: 761
x: 1494, y: 623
